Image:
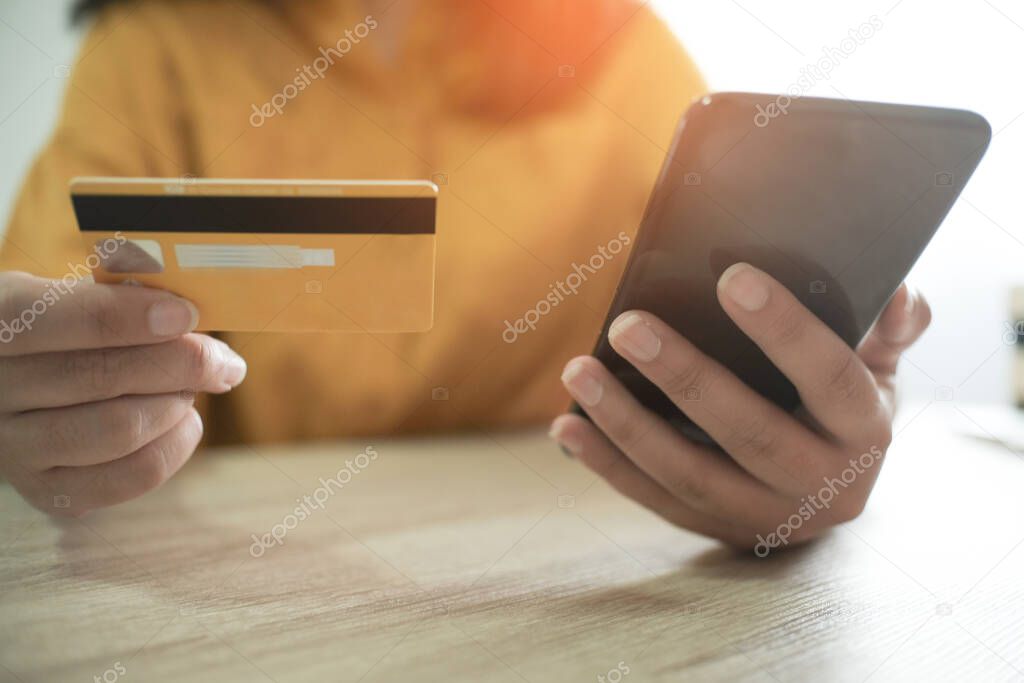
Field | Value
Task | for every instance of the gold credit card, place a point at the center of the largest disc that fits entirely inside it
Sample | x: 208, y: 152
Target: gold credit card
x: 273, y: 255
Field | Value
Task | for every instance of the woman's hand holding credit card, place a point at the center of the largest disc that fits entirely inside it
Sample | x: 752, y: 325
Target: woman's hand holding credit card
x: 100, y: 386
x: 99, y: 389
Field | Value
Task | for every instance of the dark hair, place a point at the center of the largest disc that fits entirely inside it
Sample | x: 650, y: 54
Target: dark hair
x: 82, y: 9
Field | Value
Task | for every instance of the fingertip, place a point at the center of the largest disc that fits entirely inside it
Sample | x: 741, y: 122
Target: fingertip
x: 236, y: 371
x: 577, y: 360
x: 578, y: 365
x: 582, y: 380
x: 558, y: 424
x: 745, y: 286
x: 922, y: 309
x: 908, y: 298
x: 172, y: 317
x: 231, y: 367
x: 188, y: 438
x: 567, y: 423
x: 731, y: 272
x: 633, y: 335
x: 567, y: 433
x: 906, y: 316
x: 627, y: 317
x: 193, y: 314
x: 197, y: 421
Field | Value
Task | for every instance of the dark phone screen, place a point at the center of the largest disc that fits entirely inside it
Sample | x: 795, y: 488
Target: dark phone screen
x: 835, y: 199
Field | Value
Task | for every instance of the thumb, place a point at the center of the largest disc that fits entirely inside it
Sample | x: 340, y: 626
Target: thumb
x: 902, y: 322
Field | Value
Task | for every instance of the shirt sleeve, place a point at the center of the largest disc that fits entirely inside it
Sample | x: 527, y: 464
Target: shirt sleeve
x: 119, y: 117
x: 122, y: 115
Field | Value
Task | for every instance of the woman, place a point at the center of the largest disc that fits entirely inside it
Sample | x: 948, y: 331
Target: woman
x: 545, y: 123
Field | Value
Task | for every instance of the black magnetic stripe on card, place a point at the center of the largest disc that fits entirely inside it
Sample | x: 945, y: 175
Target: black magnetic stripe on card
x: 206, y: 214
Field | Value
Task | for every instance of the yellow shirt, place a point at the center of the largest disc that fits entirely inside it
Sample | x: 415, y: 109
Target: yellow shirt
x: 548, y: 138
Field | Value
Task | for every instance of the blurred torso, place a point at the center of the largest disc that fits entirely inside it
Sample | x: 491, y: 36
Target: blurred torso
x: 546, y: 144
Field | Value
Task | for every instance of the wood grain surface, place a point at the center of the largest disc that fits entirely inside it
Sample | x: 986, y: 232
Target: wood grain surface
x: 493, y: 557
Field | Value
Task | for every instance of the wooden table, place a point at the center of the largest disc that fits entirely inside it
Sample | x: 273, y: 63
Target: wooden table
x: 495, y: 558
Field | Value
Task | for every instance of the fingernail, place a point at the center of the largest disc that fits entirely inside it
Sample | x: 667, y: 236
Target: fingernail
x: 172, y: 317
x: 235, y: 366
x: 907, y: 325
x: 568, y: 444
x: 199, y: 421
x: 634, y: 336
x: 235, y: 371
x: 582, y: 385
x: 746, y: 286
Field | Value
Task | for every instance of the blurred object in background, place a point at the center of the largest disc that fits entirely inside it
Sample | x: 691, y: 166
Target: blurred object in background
x: 1002, y: 424
x: 998, y: 424
x: 1016, y: 334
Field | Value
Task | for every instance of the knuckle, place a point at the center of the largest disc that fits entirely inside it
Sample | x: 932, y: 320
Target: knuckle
x: 687, y: 382
x: 881, y: 435
x: 129, y: 423
x: 98, y: 315
x: 93, y: 371
x: 844, y: 380
x: 691, y: 486
x: 628, y: 429
x: 850, y: 508
x: 150, y: 468
x: 876, y: 434
x: 787, y: 328
x: 201, y: 361
x: 754, y: 437
x: 63, y: 438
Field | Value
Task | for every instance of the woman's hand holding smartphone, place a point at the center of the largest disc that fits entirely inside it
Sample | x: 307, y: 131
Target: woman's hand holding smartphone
x: 761, y: 313
x: 788, y: 476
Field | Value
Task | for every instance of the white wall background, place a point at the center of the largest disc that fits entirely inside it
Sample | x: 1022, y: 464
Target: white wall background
x: 961, y: 53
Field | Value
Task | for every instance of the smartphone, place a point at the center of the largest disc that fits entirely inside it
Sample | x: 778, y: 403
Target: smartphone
x: 835, y: 199
x: 269, y: 255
